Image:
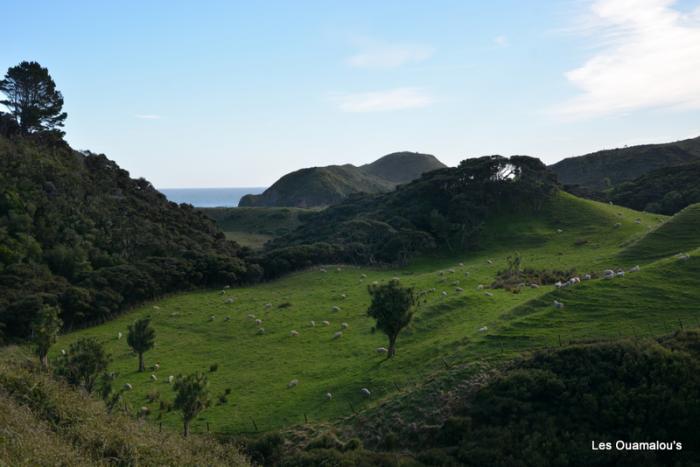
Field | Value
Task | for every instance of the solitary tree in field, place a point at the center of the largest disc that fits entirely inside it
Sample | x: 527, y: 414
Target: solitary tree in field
x: 192, y: 397
x: 45, y: 328
x: 392, y: 307
x: 32, y: 98
x: 141, y: 338
x: 84, y: 362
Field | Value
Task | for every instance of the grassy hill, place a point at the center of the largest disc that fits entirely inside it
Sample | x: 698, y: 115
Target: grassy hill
x: 252, y: 227
x: 323, y: 186
x: 570, y: 233
x: 604, y: 169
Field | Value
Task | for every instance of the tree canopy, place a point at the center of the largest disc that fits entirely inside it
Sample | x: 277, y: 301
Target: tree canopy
x: 141, y: 338
x: 192, y: 397
x: 392, y: 307
x: 32, y: 98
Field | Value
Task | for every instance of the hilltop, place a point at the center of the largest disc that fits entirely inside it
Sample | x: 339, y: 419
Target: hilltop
x: 605, y: 169
x: 78, y: 232
x: 324, y: 186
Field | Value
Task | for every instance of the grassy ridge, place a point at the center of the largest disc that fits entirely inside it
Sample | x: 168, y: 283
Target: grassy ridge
x: 569, y: 233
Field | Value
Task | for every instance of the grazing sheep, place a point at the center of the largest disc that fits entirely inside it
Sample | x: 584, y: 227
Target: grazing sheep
x: 608, y: 274
x: 335, y: 308
x: 433, y: 289
x: 293, y: 333
x: 156, y: 366
x: 322, y: 269
x: 268, y: 305
x: 343, y: 296
x: 455, y: 283
x: 638, y: 221
x: 451, y: 271
x: 251, y: 316
x: 488, y: 294
x: 222, y: 292
x: 558, y: 284
x: 156, y: 307
x: 381, y: 350
x: 559, y: 230
x: 63, y: 351
x: 461, y: 265
x: 534, y: 286
x: 634, y: 269
x: 261, y: 331
x: 337, y: 335
x: 326, y: 323
x: 490, y: 261
x: 610, y: 202
x: 483, y: 329
x: 258, y: 321
x: 128, y: 387
x: 171, y: 378
x: 227, y: 287
x: 119, y: 335
x: 375, y: 282
x: 344, y: 325
x: 620, y: 274
x: 586, y: 277
x: 466, y: 273
x: 229, y: 301
x: 211, y: 318
x: 329, y: 396
x: 292, y: 383
x: 683, y: 256
x: 617, y: 225
x: 480, y: 287
x: 365, y: 392
x: 444, y: 294
x: 459, y: 289
x: 144, y: 411
x: 558, y: 305
x: 154, y: 378
x: 363, y: 276
x: 313, y: 323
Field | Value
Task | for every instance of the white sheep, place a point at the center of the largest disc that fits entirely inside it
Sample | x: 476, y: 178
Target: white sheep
x: 119, y: 335
x: 441, y: 273
x: 534, y: 286
x: 335, y: 308
x: 559, y: 230
x: 156, y: 307
x: 480, y: 287
x: 488, y: 294
x: 326, y: 323
x: 329, y: 396
x: 154, y: 378
x: 558, y: 305
x: 293, y: 333
x: 490, y: 261
x: 229, y: 301
x: 258, y: 321
x: 63, y: 352
x: 344, y: 325
x: 156, y: 366
x: 268, y: 305
x: 261, y: 331
x: 634, y: 269
x: 322, y: 269
x: 375, y: 282
x: 227, y: 287
x: 683, y: 256
x: 343, y: 296
x: 365, y: 392
x: 171, y: 378
x: 382, y: 350
x: 459, y: 289
x: 558, y: 284
x: 461, y: 265
x: 451, y: 271
x: 251, y: 316
x: 363, y: 276
x: 455, y: 283
x: 608, y: 274
x: 586, y: 277
x: 128, y: 387
x: 337, y: 335
x: 338, y: 269
x: 444, y: 294
x: 313, y: 323
x: 620, y: 274
x: 292, y: 383
x: 483, y: 329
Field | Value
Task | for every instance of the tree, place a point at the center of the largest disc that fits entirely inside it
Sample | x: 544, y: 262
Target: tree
x: 392, y: 307
x: 32, y: 98
x: 84, y: 362
x: 141, y: 338
x: 192, y: 397
x: 45, y: 328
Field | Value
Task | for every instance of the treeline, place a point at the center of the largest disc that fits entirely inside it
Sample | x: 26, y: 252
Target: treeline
x: 445, y: 208
x: 77, y: 232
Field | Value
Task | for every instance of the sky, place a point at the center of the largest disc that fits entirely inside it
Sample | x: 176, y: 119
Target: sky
x: 238, y: 93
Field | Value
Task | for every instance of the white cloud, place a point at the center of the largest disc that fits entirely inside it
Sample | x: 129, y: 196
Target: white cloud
x: 647, y: 56
x: 501, y: 41
x: 147, y: 116
x: 379, y: 101
x: 373, y: 54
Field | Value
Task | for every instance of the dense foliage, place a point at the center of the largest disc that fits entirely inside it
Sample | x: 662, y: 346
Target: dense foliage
x: 664, y: 191
x: 324, y: 186
x: 446, y: 207
x: 77, y: 232
x: 392, y: 308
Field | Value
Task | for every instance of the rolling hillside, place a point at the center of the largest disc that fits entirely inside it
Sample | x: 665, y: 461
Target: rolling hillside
x: 324, y: 186
x: 199, y: 329
x: 604, y: 169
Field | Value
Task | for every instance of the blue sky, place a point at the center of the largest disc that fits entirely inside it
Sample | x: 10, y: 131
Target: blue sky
x: 216, y: 94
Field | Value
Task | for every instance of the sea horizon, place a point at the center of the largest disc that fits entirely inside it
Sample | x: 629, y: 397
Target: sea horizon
x: 221, y: 197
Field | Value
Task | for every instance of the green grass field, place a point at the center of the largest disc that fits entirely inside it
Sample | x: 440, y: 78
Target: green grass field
x: 568, y: 233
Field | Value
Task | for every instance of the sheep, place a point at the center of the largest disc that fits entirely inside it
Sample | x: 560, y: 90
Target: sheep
x: 441, y: 273
x: 634, y: 269
x: 268, y: 306
x: 620, y: 274
x: 480, y: 287
x: 558, y: 284
x: 128, y: 387
x: 586, y: 277
x: 222, y: 292
x: 338, y: 335
x: 313, y: 323
x: 608, y: 274
x: 258, y: 321
x: 382, y: 350
x: 683, y: 256
x: 363, y: 276
x: 638, y: 221
x: 228, y: 318
x: 488, y: 294
x: 211, y: 318
x: 63, y: 352
x: 459, y: 289
x: 610, y: 202
x: 335, y: 308
x: 617, y: 225
x: 229, y: 301
x: 323, y: 270
x: 154, y: 377
x: 329, y: 396
x: 433, y: 289
x: 119, y: 335
x: 375, y: 282
x: 292, y: 383
x: 171, y: 378
x: 344, y: 325
x: 455, y: 283
x: 156, y: 307
x: 483, y: 329
x: 251, y: 316
x: 338, y: 269
x: 559, y: 230
x: 343, y: 296
x: 534, y: 286
x: 156, y: 366
x: 451, y: 271
x: 490, y: 261
x: 444, y: 294
x: 144, y: 411
x: 461, y: 265
x: 227, y: 287
x: 293, y: 333
x: 558, y: 305
x: 365, y: 392
x: 466, y: 273
x: 326, y: 323
x: 261, y: 331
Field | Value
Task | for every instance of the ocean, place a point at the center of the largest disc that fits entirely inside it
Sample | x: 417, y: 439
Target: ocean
x: 209, y: 197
